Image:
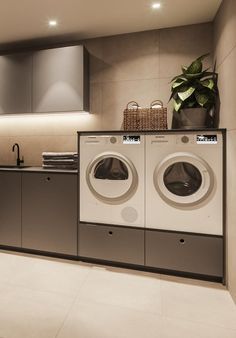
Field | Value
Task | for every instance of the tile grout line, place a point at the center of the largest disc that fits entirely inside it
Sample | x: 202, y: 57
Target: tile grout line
x: 72, y: 305
x: 226, y: 56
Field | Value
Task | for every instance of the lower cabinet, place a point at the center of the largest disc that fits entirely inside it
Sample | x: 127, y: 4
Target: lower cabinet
x: 192, y: 253
x: 111, y: 243
x: 10, y: 209
x: 49, y: 212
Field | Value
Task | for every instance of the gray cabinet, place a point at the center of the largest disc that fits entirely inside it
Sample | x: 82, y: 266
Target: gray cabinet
x: 49, y: 212
x: 10, y: 209
x: 111, y: 243
x: 200, y: 254
x: 15, y: 83
x: 60, y: 79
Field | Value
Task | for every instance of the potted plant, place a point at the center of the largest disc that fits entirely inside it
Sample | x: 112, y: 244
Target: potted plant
x: 195, y: 95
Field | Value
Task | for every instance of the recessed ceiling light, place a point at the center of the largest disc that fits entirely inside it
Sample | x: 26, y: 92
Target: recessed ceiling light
x: 52, y: 23
x: 156, y: 5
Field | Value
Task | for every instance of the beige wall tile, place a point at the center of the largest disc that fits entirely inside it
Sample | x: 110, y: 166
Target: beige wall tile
x: 42, y: 125
x: 224, y: 30
x: 116, y: 95
x: 31, y: 147
x: 96, y: 63
x: 231, y: 212
x: 225, y: 52
x: 181, y: 45
x: 122, y: 68
x: 164, y: 94
x: 227, y: 85
x: 131, y: 56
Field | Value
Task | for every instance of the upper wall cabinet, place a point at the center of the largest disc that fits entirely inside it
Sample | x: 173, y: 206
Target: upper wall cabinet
x: 15, y: 83
x: 60, y: 80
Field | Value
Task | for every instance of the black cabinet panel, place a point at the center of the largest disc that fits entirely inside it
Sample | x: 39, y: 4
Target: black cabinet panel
x: 49, y: 212
x: 109, y: 243
x: 185, y: 252
x: 10, y: 209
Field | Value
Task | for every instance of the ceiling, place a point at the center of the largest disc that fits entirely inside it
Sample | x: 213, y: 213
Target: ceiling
x: 27, y: 19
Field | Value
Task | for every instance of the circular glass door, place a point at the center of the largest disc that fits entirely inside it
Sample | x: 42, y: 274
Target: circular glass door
x: 183, y: 179
x: 112, y: 178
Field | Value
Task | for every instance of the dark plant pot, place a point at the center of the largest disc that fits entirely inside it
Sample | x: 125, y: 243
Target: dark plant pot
x: 193, y: 118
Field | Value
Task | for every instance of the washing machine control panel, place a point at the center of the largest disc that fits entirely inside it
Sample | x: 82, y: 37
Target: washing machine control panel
x: 131, y: 139
x: 206, y: 139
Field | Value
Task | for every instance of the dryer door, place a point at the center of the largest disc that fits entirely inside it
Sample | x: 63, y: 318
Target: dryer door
x: 183, y: 179
x: 112, y: 178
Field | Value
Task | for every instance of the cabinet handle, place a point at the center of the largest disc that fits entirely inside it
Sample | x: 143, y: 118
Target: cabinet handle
x: 182, y: 241
x: 48, y: 179
x: 110, y: 233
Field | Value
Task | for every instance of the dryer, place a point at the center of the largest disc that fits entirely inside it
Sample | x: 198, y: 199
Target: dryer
x: 184, y: 182
x: 112, y: 178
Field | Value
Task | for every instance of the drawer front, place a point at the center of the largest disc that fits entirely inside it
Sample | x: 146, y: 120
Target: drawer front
x: 10, y: 209
x: 111, y: 243
x: 49, y: 212
x: 184, y: 252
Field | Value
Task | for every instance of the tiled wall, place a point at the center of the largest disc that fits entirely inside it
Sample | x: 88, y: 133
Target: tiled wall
x: 225, y: 50
x: 137, y: 66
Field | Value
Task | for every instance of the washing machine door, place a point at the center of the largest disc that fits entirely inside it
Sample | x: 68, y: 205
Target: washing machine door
x: 112, y: 178
x: 183, y: 179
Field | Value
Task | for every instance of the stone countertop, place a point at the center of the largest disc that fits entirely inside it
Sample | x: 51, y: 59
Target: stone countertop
x: 39, y: 169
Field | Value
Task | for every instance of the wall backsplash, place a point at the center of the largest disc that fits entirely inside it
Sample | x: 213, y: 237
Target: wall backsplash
x: 225, y: 52
x: 137, y: 66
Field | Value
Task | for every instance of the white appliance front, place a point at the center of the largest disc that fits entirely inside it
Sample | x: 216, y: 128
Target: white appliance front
x: 184, y: 182
x: 112, y: 179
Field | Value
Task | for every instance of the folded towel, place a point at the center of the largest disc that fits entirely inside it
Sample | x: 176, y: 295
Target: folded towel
x: 60, y: 162
x: 68, y: 153
x: 66, y: 167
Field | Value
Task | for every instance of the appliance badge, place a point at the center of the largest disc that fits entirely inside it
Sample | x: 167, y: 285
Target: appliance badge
x: 206, y: 139
x: 131, y: 139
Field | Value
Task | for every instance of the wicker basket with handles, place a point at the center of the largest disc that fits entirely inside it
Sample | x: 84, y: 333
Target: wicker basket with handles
x: 152, y: 118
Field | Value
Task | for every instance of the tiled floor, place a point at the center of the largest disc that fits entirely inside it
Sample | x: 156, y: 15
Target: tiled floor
x: 52, y: 298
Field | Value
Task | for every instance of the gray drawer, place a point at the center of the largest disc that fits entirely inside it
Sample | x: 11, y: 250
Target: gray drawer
x: 111, y: 243
x: 185, y: 252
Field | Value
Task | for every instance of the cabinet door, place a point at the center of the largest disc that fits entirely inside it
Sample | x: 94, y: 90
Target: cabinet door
x: 111, y: 243
x: 15, y: 83
x: 192, y: 253
x: 49, y: 212
x: 10, y: 209
x: 59, y: 80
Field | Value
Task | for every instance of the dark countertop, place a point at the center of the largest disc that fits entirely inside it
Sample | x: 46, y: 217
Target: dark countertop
x: 161, y: 131
x: 40, y: 169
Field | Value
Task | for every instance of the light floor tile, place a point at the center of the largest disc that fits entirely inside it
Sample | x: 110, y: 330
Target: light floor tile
x: 198, y: 301
x: 90, y: 320
x: 42, y: 274
x: 178, y: 328
x: 127, y: 289
x: 26, y: 313
x: 55, y: 298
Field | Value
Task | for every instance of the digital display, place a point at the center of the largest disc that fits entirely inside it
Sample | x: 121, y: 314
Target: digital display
x: 206, y: 139
x: 133, y: 139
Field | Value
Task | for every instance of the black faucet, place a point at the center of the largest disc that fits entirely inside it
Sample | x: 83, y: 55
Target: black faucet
x: 18, y: 160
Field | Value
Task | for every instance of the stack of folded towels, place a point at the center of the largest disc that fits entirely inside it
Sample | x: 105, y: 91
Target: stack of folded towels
x: 65, y: 160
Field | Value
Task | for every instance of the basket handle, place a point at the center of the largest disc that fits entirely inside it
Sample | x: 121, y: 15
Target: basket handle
x: 132, y: 104
x: 156, y: 102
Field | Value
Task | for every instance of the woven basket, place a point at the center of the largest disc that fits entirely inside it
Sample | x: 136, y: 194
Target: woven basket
x: 137, y: 118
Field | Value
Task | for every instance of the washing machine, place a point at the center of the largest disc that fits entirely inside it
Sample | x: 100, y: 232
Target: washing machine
x: 112, y: 179
x: 184, y: 182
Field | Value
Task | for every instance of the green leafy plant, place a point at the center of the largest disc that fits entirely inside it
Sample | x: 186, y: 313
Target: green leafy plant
x: 195, y: 87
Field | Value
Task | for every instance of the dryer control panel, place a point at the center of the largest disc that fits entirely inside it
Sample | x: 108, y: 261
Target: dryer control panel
x: 206, y: 139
